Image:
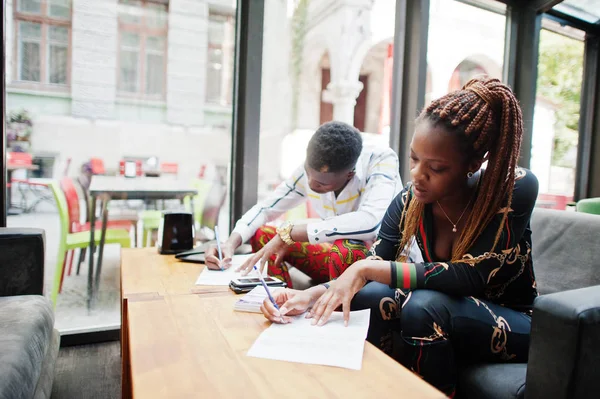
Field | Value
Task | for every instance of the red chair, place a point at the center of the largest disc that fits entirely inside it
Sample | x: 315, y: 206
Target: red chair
x: 19, y: 158
x: 97, y: 165
x: 75, y: 225
x: 169, y: 168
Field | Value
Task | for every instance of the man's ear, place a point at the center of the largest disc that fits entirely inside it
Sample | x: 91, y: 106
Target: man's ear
x: 351, y: 174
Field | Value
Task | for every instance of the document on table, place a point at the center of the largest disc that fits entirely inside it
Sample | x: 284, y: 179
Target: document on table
x: 332, y: 344
x: 218, y: 277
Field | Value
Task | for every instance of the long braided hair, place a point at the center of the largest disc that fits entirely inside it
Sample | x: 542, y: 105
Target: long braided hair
x: 487, y: 119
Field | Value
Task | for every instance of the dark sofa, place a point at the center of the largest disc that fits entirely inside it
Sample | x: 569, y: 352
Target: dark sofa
x: 564, y: 354
x: 29, y: 343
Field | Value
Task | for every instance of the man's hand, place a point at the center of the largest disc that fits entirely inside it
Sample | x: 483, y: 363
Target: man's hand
x: 211, y: 255
x: 274, y: 247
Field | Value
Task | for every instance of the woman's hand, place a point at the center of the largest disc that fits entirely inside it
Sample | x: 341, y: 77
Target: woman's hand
x: 340, y: 292
x: 291, y: 303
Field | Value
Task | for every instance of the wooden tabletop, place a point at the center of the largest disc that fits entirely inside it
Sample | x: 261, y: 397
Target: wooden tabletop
x: 189, y: 346
x: 140, y: 187
x: 145, y: 272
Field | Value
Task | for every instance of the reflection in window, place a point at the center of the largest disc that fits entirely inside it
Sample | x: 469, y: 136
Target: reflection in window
x: 220, y: 59
x: 464, y: 72
x: 556, y: 119
x: 43, y: 29
x: 142, y: 48
x: 464, y: 42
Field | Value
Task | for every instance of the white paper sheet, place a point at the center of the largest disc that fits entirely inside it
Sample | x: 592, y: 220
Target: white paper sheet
x: 218, y: 277
x: 332, y: 344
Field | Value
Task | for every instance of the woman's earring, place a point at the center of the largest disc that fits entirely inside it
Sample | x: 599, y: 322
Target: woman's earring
x: 470, y: 174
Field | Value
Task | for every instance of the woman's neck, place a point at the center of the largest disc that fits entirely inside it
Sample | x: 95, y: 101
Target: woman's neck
x: 455, y: 204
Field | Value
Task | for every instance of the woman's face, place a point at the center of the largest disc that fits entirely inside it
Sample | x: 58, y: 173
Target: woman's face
x: 438, y: 167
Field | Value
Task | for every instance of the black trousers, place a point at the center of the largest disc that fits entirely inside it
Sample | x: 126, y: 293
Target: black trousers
x: 442, y: 333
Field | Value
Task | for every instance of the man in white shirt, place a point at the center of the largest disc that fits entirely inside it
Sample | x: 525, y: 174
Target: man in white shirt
x: 349, y: 187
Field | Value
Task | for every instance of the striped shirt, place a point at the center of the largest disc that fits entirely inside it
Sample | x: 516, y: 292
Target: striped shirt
x: 357, y: 211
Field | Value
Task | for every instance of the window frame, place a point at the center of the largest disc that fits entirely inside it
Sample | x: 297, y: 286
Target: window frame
x: 225, y: 100
x: 45, y: 21
x: 143, y: 31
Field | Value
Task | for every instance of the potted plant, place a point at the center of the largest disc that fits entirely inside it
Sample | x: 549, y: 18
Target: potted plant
x: 18, y: 131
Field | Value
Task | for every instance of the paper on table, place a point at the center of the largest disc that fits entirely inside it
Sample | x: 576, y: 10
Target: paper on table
x: 218, y: 277
x: 332, y: 344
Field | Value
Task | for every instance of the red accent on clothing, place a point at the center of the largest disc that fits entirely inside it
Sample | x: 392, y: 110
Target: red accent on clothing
x: 321, y: 262
x: 424, y: 238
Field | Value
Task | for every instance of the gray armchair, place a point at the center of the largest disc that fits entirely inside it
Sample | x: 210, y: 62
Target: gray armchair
x: 29, y: 343
x: 564, y: 353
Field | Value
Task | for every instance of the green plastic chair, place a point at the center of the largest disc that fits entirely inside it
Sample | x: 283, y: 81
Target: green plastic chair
x: 69, y: 241
x: 589, y: 205
x: 151, y: 218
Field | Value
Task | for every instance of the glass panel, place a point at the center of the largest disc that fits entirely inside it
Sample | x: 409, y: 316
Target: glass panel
x: 30, y: 6
x: 58, y: 34
x: 213, y: 76
x: 130, y: 40
x: 130, y: 11
x: 556, y: 118
x: 305, y: 85
x: 480, y: 53
x: 587, y: 10
x: 60, y: 9
x: 29, y: 51
x: 30, y: 30
x: 155, y: 44
x: 220, y: 59
x: 129, y: 71
x: 156, y: 15
x: 85, y: 138
x: 57, y: 57
x: 155, y: 74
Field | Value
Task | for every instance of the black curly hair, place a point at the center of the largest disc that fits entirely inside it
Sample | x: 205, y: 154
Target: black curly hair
x: 335, y: 147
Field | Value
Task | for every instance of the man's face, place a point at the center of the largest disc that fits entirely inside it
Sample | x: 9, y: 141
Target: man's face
x: 322, y: 182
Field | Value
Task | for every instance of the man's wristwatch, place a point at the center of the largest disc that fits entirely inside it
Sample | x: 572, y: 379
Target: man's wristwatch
x: 284, y: 231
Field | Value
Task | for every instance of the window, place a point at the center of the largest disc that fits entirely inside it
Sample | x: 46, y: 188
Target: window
x: 42, y: 35
x: 556, y: 119
x: 142, y: 49
x: 220, y: 59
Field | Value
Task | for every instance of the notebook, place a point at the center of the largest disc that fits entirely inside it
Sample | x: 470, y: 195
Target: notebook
x: 252, y: 300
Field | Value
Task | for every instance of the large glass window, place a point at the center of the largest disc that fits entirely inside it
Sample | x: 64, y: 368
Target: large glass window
x: 465, y: 41
x: 42, y: 29
x: 142, y: 48
x: 119, y: 111
x: 556, y: 118
x: 322, y: 64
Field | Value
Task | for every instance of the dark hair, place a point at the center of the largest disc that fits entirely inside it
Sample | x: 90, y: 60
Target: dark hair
x: 487, y: 119
x: 335, y: 147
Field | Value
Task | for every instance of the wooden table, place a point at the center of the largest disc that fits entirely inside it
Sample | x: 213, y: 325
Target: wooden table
x: 182, y: 344
x: 107, y: 188
x: 145, y: 272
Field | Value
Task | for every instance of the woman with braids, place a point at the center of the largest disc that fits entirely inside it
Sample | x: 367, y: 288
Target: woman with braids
x: 469, y: 299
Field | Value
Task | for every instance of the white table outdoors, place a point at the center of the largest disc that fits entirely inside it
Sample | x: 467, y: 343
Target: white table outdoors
x: 106, y: 188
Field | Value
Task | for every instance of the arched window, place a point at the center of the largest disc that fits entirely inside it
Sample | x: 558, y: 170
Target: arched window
x: 465, y: 71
